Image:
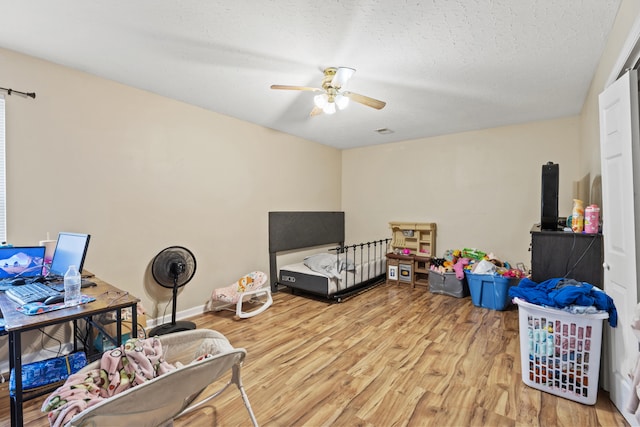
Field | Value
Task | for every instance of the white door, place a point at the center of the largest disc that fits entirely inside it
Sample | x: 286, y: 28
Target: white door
x: 619, y: 149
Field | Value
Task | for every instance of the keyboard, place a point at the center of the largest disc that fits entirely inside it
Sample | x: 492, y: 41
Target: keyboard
x: 31, y: 292
x: 59, y: 286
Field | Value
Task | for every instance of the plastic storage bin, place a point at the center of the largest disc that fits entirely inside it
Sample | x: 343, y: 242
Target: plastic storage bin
x: 490, y: 291
x: 102, y: 343
x: 560, y: 351
x: 448, y: 284
x: 49, y: 371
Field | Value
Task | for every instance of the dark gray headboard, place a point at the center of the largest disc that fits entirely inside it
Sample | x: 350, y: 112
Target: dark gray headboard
x: 297, y: 230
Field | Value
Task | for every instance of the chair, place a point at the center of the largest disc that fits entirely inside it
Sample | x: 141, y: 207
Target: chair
x: 251, y: 288
x: 161, y: 400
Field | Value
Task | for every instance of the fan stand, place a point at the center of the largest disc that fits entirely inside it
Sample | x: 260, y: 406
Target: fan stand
x: 182, y: 325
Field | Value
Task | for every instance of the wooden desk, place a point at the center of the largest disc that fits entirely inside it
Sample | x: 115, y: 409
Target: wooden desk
x: 108, y: 298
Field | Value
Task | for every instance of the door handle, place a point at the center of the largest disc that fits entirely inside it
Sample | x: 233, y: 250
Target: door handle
x: 606, y: 266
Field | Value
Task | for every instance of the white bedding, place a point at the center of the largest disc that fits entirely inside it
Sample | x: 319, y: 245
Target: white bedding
x: 329, y: 265
x: 347, y: 278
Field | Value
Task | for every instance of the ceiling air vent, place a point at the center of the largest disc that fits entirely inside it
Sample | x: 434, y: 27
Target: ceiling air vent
x: 384, y: 131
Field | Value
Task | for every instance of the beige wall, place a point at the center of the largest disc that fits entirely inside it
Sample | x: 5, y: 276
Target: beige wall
x: 482, y: 188
x: 140, y: 172
x: 589, y: 121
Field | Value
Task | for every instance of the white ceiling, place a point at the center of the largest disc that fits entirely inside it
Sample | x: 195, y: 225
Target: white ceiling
x: 442, y: 66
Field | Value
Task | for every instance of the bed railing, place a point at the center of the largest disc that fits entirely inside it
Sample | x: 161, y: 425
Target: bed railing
x: 370, y: 256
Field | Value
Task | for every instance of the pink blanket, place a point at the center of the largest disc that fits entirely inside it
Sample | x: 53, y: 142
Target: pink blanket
x: 131, y: 364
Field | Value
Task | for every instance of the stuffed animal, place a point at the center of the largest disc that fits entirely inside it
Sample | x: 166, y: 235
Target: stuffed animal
x: 459, y: 267
x: 514, y: 273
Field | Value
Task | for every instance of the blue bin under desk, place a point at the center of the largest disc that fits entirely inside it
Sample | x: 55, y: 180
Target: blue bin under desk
x: 44, y: 372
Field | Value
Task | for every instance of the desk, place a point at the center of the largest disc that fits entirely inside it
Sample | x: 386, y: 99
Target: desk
x: 108, y: 298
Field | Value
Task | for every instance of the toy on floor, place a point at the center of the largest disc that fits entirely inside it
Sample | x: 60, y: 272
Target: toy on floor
x: 252, y: 288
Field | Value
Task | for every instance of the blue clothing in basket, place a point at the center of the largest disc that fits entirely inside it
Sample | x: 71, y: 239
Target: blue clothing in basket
x: 562, y: 293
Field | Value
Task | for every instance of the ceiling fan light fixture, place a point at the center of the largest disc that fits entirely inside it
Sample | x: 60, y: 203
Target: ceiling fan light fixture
x: 320, y: 100
x: 329, y: 108
x: 342, y: 76
x: 341, y: 101
x: 334, y: 97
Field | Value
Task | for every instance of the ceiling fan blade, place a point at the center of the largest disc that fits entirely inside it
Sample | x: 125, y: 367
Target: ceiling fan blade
x: 316, y: 111
x: 365, y: 100
x: 343, y: 74
x: 287, y: 87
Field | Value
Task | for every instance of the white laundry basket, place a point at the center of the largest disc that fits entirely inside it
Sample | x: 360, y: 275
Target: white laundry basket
x: 560, y: 351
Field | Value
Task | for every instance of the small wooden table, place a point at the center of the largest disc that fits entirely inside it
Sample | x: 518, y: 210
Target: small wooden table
x: 108, y: 299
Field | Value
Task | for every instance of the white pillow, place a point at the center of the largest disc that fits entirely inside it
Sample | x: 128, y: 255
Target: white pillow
x: 323, y: 263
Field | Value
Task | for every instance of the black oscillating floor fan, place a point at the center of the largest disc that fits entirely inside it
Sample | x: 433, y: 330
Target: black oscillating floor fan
x: 173, y: 268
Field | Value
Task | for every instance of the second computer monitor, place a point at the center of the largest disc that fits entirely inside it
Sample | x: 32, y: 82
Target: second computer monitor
x: 71, y: 249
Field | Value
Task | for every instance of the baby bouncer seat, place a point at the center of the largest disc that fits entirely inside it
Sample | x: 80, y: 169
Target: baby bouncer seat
x: 201, y: 357
x: 252, y: 288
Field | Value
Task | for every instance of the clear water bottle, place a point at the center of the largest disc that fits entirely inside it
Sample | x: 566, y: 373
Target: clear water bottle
x: 72, y: 281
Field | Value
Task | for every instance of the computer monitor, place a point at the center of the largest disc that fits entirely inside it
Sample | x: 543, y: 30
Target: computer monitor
x: 22, y: 261
x: 71, y: 249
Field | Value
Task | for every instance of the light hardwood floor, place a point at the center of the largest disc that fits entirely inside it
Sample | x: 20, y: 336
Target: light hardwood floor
x: 392, y: 356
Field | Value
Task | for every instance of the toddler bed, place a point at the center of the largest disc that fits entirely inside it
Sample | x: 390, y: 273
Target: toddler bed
x: 336, y: 273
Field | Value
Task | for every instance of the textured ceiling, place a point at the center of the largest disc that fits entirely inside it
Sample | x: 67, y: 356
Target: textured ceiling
x: 442, y: 66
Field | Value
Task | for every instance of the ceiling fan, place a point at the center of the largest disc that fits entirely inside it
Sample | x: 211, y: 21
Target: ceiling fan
x: 333, y: 94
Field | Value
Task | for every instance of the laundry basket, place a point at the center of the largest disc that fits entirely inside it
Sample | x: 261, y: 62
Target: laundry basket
x: 560, y: 351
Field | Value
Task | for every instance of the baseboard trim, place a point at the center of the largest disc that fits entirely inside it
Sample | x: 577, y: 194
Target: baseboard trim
x: 180, y: 315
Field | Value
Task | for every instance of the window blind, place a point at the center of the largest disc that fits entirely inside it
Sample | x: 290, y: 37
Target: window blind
x: 3, y: 181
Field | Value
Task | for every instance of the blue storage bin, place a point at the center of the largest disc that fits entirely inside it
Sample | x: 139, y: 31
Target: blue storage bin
x: 44, y: 372
x: 490, y: 291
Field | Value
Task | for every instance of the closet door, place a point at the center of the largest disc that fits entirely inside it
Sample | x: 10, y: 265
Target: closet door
x: 619, y: 151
